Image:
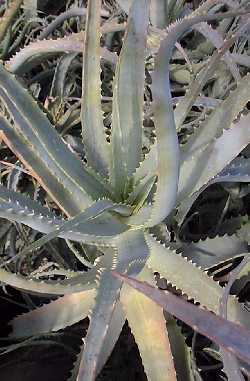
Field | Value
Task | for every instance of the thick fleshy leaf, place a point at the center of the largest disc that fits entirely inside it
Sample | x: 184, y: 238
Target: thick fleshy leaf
x: 48, y: 288
x: 221, y: 118
x: 167, y: 142
x: 81, y: 282
x: 159, y: 13
x: 77, y: 222
x: 231, y: 336
x: 132, y: 251
x: 115, y: 327
x: 140, y: 193
x: 206, y: 163
x: 16, y: 207
x: 237, y: 171
x: 63, y: 16
x: 148, y: 326
x: 213, y: 251
x: 37, y: 51
x: 49, y: 150
x: 62, y: 67
x: 192, y: 281
x: 100, y: 319
x: 166, y: 137
x: 96, y: 147
x: 56, y: 315
x: 181, y: 351
x: 147, y: 168
x: 126, y: 137
x: 27, y: 155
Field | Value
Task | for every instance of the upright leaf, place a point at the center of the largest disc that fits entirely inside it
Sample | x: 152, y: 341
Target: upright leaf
x: 167, y: 142
x: 148, y: 326
x: 166, y: 137
x: 127, y: 118
x: 96, y: 146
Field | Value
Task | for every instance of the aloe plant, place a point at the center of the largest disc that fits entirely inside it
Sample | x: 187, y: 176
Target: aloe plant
x: 121, y: 196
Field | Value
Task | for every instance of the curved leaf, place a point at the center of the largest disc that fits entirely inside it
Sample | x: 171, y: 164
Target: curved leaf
x: 167, y: 142
x: 32, y: 54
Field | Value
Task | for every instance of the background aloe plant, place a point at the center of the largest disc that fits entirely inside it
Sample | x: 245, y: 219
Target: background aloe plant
x: 129, y: 187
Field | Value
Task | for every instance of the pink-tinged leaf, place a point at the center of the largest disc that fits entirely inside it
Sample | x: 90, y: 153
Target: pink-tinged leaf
x: 54, y: 316
x: 148, y: 326
x: 231, y: 336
